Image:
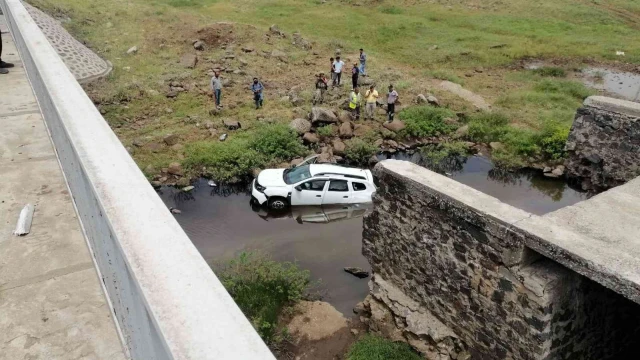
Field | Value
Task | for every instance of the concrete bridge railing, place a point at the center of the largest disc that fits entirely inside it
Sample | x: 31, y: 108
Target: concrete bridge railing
x: 165, y: 299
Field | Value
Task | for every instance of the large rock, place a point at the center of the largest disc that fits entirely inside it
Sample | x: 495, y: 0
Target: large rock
x: 231, y: 124
x: 462, y: 132
x: 421, y: 99
x: 171, y: 139
x: 395, y: 126
x: 132, y: 50
x: 310, y: 138
x: 279, y: 54
x: 323, y: 115
x: 276, y: 31
x: 338, y: 147
x: 300, y: 126
x: 189, y: 60
x: 198, y: 45
x: 346, y: 130
x: 432, y: 100
x: 360, y: 130
x: 326, y: 156
x: 365, y: 81
x: 175, y: 169
x: 344, y: 116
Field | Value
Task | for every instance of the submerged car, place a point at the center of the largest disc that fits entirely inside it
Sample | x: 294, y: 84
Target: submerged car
x: 315, y: 214
x: 313, y: 184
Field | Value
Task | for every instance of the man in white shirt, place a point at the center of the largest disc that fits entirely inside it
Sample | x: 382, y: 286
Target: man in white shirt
x: 392, y: 97
x: 338, y: 65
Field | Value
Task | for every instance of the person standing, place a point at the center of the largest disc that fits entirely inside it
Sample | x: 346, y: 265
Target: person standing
x: 354, y: 75
x: 355, y: 99
x: 333, y: 72
x: 321, y: 88
x: 3, y: 65
x: 338, y: 66
x: 216, y: 86
x: 257, y: 89
x: 392, y: 97
x: 363, y: 62
x: 371, y: 97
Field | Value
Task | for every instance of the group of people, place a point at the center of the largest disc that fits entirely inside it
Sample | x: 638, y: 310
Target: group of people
x: 256, y: 87
x: 3, y: 65
x: 371, y: 96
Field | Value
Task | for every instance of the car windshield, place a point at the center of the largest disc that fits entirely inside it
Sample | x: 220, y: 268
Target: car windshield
x: 297, y: 174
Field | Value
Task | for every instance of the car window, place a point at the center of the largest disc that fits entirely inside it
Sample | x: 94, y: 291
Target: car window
x: 315, y: 185
x: 292, y: 176
x: 338, y: 185
x: 359, y: 186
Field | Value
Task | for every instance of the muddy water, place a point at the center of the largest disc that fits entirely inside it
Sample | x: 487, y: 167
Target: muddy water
x: 221, y: 222
x: 621, y: 84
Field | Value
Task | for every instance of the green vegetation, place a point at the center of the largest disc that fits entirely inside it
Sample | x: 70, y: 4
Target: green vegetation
x: 359, y: 151
x: 326, y: 131
x: 445, y: 157
x: 445, y: 75
x: 550, y: 71
x: 263, y: 288
x: 425, y: 121
x: 277, y: 143
x: 372, y: 347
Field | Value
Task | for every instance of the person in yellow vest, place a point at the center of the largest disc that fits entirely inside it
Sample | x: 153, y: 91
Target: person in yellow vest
x: 355, y: 99
x: 371, y: 97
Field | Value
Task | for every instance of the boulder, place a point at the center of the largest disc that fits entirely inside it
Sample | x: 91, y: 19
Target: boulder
x: 432, y: 100
x: 279, y: 54
x: 395, y: 126
x: 215, y: 112
x: 171, y: 139
x: 208, y: 125
x: 223, y: 137
x: 137, y: 143
x: 248, y: 49
x: 357, y: 272
x: 338, y: 147
x: 231, y: 124
x: 344, y: 116
x: 310, y: 138
x: 177, y: 147
x: 172, y: 93
x: 365, y: 81
x: 276, y: 31
x: 323, y: 115
x: 154, y: 147
x: 462, y: 132
x: 189, y: 61
x: 175, y: 169
x: 496, y: 145
x: 346, y: 130
x: 361, y: 130
x: 326, y: 156
x: 132, y: 50
x: 421, y: 99
x: 300, y: 126
x: 392, y: 144
x: 296, y: 101
x: 198, y: 45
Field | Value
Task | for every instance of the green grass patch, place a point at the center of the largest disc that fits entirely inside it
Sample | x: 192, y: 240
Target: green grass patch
x: 446, y: 75
x: 425, y: 121
x: 391, y: 10
x: 263, y: 288
x: 372, y: 347
x: 570, y: 88
x: 550, y: 71
x: 359, y: 151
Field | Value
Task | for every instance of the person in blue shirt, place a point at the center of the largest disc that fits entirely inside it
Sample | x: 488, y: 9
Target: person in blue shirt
x: 257, y: 89
x: 363, y: 62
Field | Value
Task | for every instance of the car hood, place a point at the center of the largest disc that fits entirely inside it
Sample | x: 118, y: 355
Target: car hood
x: 271, y: 177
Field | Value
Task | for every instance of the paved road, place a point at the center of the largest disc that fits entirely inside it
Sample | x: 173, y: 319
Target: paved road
x: 51, y: 303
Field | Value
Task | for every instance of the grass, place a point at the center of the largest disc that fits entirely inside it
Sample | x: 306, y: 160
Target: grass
x: 473, y: 40
x: 426, y: 121
x: 263, y: 289
x: 372, y: 347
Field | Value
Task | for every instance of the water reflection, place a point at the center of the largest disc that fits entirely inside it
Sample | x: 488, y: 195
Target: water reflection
x: 314, y: 214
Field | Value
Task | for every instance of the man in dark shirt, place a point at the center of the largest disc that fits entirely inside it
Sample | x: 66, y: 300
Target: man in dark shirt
x: 3, y: 65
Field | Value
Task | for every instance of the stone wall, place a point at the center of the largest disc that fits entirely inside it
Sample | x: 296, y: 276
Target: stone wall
x: 458, y: 254
x: 604, y: 143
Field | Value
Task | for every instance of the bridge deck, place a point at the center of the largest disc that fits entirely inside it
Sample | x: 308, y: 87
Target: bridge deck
x: 51, y: 303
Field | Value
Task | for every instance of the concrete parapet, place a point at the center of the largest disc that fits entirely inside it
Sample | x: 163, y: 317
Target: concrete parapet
x: 604, y: 143
x: 465, y: 258
x: 165, y: 299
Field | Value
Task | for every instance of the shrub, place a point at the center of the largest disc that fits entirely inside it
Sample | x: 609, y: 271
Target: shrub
x: 326, y: 131
x: 358, y: 151
x: 371, y: 347
x: 487, y: 127
x: 553, y: 138
x: 424, y: 121
x: 550, y: 71
x: 277, y: 142
x: 262, y: 288
x: 224, y: 160
x: 572, y: 88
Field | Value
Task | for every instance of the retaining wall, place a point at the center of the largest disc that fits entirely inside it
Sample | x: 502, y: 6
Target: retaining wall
x: 462, y: 256
x: 166, y: 301
x: 604, y: 143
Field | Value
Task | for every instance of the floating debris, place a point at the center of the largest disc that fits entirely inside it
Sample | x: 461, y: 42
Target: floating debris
x: 212, y: 183
x: 188, y: 188
x: 357, y: 272
x: 175, y: 211
x: 23, y: 227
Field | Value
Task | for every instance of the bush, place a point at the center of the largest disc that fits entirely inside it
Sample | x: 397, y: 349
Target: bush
x: 326, y: 131
x: 445, y: 157
x: 359, y: 151
x: 550, y: 71
x: 277, y: 142
x: 572, y: 88
x: 487, y: 127
x: 424, y: 121
x: 553, y: 138
x: 224, y: 160
x: 371, y: 347
x: 262, y: 288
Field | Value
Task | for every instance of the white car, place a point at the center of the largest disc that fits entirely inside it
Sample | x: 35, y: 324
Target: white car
x: 313, y: 184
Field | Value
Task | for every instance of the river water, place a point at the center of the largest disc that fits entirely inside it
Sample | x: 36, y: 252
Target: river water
x: 221, y: 222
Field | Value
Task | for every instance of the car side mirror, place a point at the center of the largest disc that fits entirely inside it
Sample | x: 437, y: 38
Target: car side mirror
x: 299, y: 188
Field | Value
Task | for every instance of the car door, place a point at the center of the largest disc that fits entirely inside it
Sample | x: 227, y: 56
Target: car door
x: 308, y: 161
x: 308, y: 192
x: 338, y: 192
x: 362, y: 191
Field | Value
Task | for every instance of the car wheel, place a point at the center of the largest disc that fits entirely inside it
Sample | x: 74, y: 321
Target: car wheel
x: 277, y: 203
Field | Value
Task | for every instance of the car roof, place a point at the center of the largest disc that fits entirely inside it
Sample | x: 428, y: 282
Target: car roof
x: 319, y: 169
